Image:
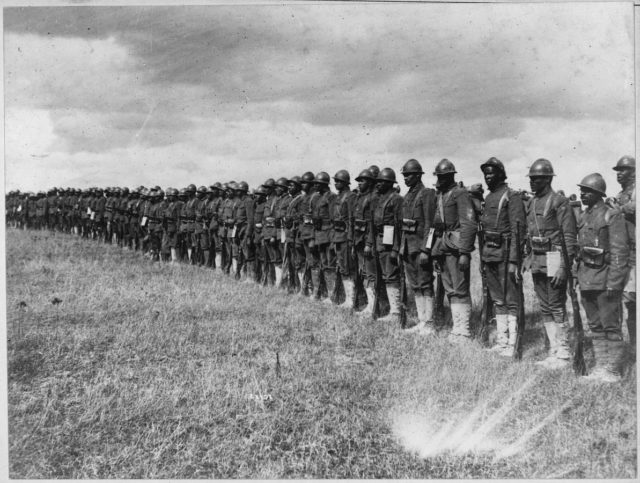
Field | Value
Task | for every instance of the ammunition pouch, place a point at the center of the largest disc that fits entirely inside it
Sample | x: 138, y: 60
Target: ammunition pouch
x: 317, y: 223
x: 339, y: 225
x: 593, y: 257
x: 288, y: 223
x: 360, y: 225
x: 229, y: 223
x: 451, y: 240
x: 258, y: 226
x: 409, y: 226
x: 493, y: 239
x: 269, y: 222
x: 307, y: 220
x: 279, y: 223
x: 540, y: 244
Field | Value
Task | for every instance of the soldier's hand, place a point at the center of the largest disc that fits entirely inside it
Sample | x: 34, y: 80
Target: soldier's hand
x: 559, y: 278
x: 367, y: 251
x: 463, y: 262
x: 272, y: 240
x: 393, y: 256
x: 312, y: 243
x: 436, y: 265
x: 513, y: 271
x: 423, y: 259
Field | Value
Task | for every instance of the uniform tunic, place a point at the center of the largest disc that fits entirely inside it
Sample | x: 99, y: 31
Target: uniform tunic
x: 418, y: 211
x: 603, y: 265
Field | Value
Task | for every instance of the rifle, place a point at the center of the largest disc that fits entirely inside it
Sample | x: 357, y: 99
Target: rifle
x: 359, y: 293
x: 579, y: 366
x: 403, y: 294
x: 517, y: 348
x: 338, y: 295
x: 380, y: 290
x: 486, y: 313
x: 438, y: 302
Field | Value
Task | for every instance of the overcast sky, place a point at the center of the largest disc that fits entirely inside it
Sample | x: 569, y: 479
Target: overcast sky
x: 102, y: 96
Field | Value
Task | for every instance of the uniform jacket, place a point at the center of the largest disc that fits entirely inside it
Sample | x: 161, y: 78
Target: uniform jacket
x: 243, y: 216
x: 546, y: 212
x: 258, y: 222
x: 387, y: 212
x: 627, y: 200
x: 503, y: 211
x: 172, y: 216
x: 322, y: 207
x: 269, y: 218
x: 418, y: 211
x: 600, y: 227
x: 307, y: 230
x: 362, y: 212
x: 291, y: 218
x: 342, y: 216
x: 457, y: 231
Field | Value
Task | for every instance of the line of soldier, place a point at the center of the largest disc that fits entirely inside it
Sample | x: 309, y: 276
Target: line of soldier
x: 368, y: 243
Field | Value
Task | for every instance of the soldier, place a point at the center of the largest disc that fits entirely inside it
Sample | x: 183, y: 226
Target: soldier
x: 362, y: 216
x: 187, y: 222
x: 242, y: 234
x: 503, y: 213
x: 52, y: 203
x: 156, y: 212
x: 321, y: 208
x: 40, y: 210
x: 307, y: 232
x: 211, y: 214
x: 546, y: 212
x: 455, y: 231
x: 269, y: 231
x: 97, y: 214
x: 123, y: 223
x: 387, y: 222
x: 284, y: 198
x: 201, y: 231
x: 259, y: 269
x: 418, y: 211
x: 342, y: 236
x: 603, y: 268
x: 170, y: 223
x: 227, y: 208
x: 108, y: 213
x: 625, y: 202
x: 294, y: 248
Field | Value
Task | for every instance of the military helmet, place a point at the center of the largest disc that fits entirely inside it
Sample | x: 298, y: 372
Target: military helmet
x: 191, y: 188
x: 308, y: 177
x: 625, y: 162
x: 260, y: 190
x: 493, y: 162
x: 172, y: 192
x: 594, y: 182
x: 342, y: 175
x: 270, y: 183
x: 541, y: 167
x: 282, y: 182
x: 375, y: 170
x: 160, y: 193
x: 322, y: 178
x: 217, y: 185
x: 211, y: 189
x: 387, y: 174
x: 444, y: 167
x: 242, y: 186
x: 296, y: 180
x: 365, y: 174
x: 182, y: 192
x: 202, y: 189
x: 412, y: 167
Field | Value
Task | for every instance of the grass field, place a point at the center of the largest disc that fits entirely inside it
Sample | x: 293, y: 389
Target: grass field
x: 122, y: 368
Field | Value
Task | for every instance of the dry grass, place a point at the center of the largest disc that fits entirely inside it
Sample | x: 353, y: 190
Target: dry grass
x: 155, y: 371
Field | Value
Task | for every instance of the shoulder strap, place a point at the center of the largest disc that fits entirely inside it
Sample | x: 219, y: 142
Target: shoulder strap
x: 503, y: 199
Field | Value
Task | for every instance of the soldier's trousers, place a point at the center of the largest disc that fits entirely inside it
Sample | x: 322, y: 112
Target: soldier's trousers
x: 273, y: 251
x: 454, y: 281
x: 390, y: 269
x: 344, y: 260
x: 552, y: 300
x: 629, y: 299
x: 496, y: 283
x: 419, y: 278
x: 603, y: 313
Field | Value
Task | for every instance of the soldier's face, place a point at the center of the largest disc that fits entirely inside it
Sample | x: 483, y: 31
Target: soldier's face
x: 293, y: 189
x: 411, y: 179
x: 491, y: 176
x: 364, y: 185
x: 625, y: 175
x: 538, y: 183
x: 383, y: 186
x: 340, y: 185
x: 589, y: 197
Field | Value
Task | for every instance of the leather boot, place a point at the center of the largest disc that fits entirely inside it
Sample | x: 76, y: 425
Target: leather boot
x: 424, y: 306
x: 553, y: 361
x: 368, y: 310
